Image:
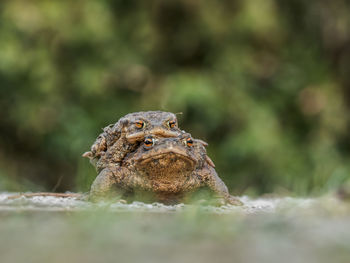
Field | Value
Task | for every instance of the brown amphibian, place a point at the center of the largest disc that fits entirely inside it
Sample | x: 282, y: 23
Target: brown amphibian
x: 168, y: 169
x: 123, y: 137
x: 146, y: 153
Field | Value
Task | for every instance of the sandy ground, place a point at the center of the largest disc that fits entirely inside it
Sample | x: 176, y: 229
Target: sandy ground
x: 49, y: 203
x: 288, y: 230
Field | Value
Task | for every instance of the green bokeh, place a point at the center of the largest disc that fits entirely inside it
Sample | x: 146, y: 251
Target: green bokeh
x: 266, y: 83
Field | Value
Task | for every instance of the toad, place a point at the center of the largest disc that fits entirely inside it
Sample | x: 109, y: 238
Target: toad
x: 166, y: 168
x: 121, y: 138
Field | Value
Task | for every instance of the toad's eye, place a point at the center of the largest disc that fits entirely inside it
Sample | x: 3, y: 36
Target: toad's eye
x: 139, y: 124
x: 189, y: 142
x: 148, y: 142
x: 172, y: 124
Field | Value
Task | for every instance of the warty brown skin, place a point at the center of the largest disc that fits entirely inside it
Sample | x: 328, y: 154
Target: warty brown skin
x: 123, y: 137
x: 169, y: 169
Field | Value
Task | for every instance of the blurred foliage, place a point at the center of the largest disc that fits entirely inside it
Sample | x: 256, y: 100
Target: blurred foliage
x: 266, y: 83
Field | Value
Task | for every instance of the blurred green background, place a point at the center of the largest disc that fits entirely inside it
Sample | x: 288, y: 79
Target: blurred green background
x: 266, y: 83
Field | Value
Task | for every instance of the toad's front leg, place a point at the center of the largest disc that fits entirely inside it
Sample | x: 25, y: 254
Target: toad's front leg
x: 109, y: 184
x: 213, y: 181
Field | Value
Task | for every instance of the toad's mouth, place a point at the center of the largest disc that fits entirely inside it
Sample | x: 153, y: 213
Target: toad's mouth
x: 167, y: 157
x: 167, y: 165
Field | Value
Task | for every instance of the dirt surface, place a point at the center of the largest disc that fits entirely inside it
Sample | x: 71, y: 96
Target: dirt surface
x: 49, y: 229
x: 50, y: 203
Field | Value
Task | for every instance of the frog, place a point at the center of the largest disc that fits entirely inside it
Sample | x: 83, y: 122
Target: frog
x: 118, y: 139
x: 168, y: 168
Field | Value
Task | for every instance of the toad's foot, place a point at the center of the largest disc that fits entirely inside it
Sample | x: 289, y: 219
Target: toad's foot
x: 233, y: 200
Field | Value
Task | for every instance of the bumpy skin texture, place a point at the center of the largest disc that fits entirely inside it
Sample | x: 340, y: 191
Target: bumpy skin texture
x: 123, y: 137
x: 168, y: 168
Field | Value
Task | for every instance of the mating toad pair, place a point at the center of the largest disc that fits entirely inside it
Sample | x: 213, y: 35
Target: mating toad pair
x: 146, y: 154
